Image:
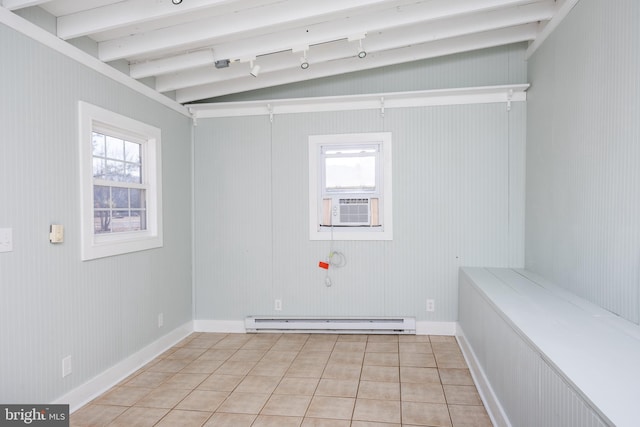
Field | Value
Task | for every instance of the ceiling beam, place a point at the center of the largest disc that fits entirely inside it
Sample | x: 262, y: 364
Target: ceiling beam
x: 394, y: 38
x: 21, y: 4
x: 285, y: 13
x: 413, y: 53
x: 135, y: 12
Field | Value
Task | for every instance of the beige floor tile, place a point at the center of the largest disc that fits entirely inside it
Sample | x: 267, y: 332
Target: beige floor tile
x: 276, y: 421
x: 123, y: 396
x: 455, y: 376
x: 415, y: 347
x: 315, y: 357
x: 220, y: 382
x: 350, y: 346
x: 186, y: 381
x: 148, y: 379
x: 258, y: 384
x: 382, y: 347
x: 178, y: 418
x: 305, y: 370
x: 247, y: 355
x: 443, y: 339
x: 374, y: 424
x: 386, y: 411
x: 202, y: 367
x: 297, y: 386
x: 231, y: 367
x: 321, y: 422
x: 95, y: 415
x: 342, y: 371
x: 450, y: 359
x: 352, y: 338
x: 379, y: 390
x: 169, y: 365
x: 410, y: 374
x: 139, y: 417
x: 337, y: 388
x: 423, y: 392
x: 381, y: 359
x: 286, y: 405
x: 221, y: 419
x: 383, y: 338
x: 269, y: 369
x: 414, y: 338
x: 163, y: 397
x: 469, y: 416
x: 418, y: 360
x: 186, y: 353
x: 279, y: 356
x: 331, y: 407
x: 462, y: 395
x: 347, y: 357
x: 380, y: 373
x: 217, y: 354
x: 244, y: 403
x: 235, y: 341
x: 425, y: 414
x: 318, y: 346
x: 203, y: 400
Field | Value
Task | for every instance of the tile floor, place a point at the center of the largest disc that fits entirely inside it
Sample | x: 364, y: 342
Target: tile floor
x: 304, y: 380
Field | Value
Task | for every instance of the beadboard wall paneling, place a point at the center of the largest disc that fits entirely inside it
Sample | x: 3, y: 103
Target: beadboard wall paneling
x: 52, y: 304
x: 583, y: 205
x: 457, y: 180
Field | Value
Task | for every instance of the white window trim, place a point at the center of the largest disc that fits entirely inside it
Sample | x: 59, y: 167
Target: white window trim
x: 385, y: 232
x: 98, y: 246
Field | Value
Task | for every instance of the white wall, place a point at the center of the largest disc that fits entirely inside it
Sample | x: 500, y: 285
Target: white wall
x: 583, y: 151
x: 53, y: 305
x: 458, y: 190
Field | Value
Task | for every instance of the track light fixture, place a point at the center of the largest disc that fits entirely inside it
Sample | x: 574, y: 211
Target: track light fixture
x: 176, y: 1
x: 304, y: 63
x: 255, y: 69
x: 361, y: 52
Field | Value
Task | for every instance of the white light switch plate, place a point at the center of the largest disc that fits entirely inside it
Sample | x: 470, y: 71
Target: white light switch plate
x: 6, y: 239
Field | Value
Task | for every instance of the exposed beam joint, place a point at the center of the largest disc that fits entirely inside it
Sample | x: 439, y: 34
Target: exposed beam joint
x: 21, y: 4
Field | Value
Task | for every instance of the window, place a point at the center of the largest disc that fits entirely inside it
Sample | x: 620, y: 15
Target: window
x: 120, y: 184
x: 350, y: 186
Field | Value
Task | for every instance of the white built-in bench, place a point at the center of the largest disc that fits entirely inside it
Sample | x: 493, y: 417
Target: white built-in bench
x: 542, y: 356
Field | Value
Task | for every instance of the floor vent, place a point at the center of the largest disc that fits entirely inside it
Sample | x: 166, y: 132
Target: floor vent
x: 342, y: 325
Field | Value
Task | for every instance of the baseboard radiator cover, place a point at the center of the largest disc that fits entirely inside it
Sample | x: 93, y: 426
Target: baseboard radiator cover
x: 332, y: 325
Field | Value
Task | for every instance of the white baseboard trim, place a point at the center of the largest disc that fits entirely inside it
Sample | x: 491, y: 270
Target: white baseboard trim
x: 93, y: 388
x: 492, y: 404
x: 228, y: 326
x: 436, y: 328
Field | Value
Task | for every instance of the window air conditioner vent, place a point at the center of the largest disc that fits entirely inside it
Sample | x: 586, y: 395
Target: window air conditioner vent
x: 354, y: 211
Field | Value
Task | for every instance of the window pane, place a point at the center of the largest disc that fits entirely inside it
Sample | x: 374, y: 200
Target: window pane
x: 120, y: 221
x: 138, y: 220
x: 115, y: 148
x: 350, y: 173
x: 120, y: 197
x: 101, y: 197
x: 133, y: 174
x: 98, y: 168
x: 131, y: 152
x: 98, y: 144
x: 137, y: 198
x: 114, y: 171
x: 101, y: 221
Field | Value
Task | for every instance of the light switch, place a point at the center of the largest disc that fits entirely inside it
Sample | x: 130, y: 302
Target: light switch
x: 6, y: 239
x: 56, y: 234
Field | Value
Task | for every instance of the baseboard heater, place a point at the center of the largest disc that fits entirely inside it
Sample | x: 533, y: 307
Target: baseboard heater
x: 336, y: 325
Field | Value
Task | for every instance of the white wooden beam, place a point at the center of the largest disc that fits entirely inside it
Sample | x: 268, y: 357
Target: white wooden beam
x: 558, y: 17
x: 424, y: 51
x: 127, y: 13
x: 287, y: 13
x: 21, y: 4
x: 414, y: 16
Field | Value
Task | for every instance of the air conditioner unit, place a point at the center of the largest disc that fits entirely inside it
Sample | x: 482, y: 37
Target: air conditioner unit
x: 350, y: 211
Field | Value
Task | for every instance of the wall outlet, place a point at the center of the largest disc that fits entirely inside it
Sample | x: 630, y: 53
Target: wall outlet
x: 277, y: 306
x: 431, y: 305
x: 66, y: 366
x: 160, y: 320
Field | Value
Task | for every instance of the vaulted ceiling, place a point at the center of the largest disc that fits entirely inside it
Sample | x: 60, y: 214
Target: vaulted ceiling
x: 199, y: 49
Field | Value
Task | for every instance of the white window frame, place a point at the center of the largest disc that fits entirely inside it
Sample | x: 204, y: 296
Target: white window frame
x: 94, y: 245
x: 383, y: 188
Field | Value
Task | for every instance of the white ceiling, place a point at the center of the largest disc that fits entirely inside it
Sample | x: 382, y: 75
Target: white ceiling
x: 178, y: 45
